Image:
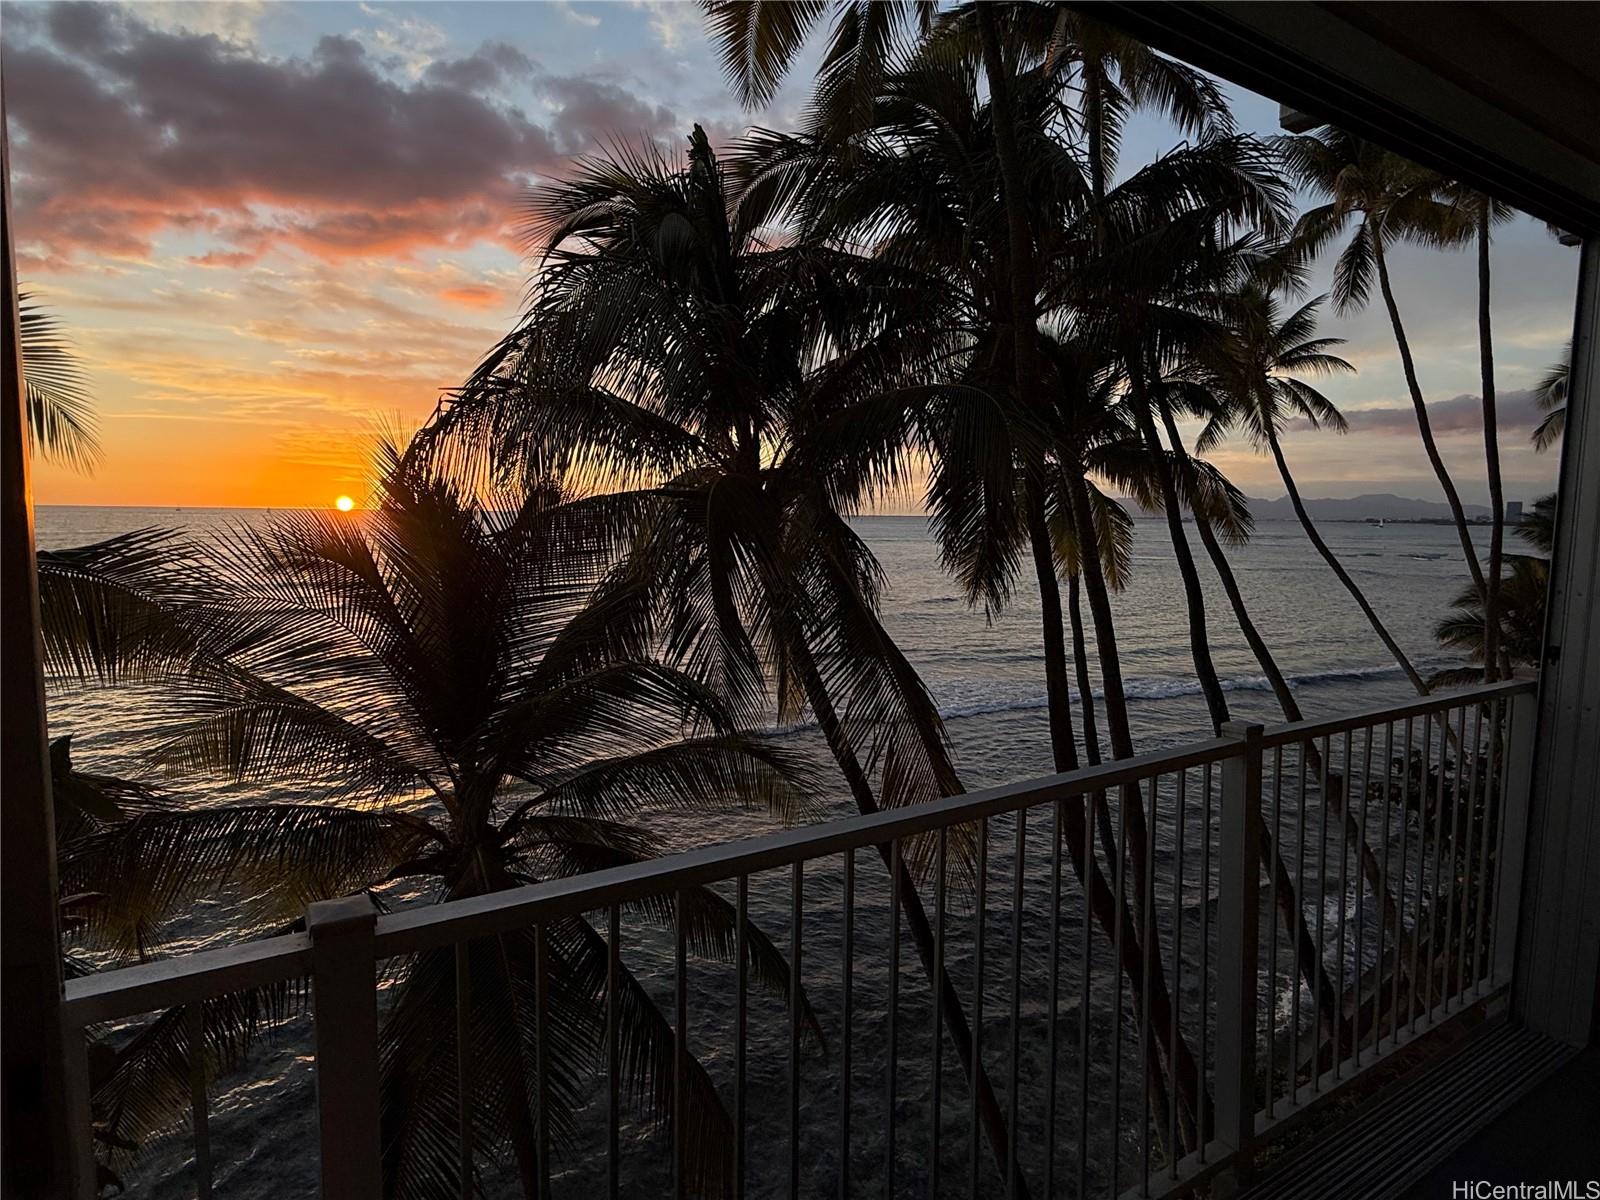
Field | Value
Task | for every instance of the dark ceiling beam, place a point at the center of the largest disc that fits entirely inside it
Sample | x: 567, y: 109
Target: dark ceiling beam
x: 1438, y: 93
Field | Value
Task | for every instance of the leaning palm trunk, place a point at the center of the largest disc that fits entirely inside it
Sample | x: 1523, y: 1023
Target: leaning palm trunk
x: 1284, y: 893
x: 1457, y: 513
x: 1024, y: 332
x: 1058, y: 693
x: 1120, y: 732
x: 1091, y: 735
x: 1334, y: 565
x: 1306, y: 951
x: 955, y: 1013
x: 1080, y: 660
x: 1199, y: 638
x: 1491, y: 446
x: 1091, y: 878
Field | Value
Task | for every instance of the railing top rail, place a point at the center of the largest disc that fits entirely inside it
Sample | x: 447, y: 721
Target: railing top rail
x: 185, y: 978
x: 1301, y: 731
x: 479, y: 916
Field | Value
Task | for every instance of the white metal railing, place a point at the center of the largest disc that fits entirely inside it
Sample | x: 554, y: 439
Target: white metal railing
x: 1139, y: 1041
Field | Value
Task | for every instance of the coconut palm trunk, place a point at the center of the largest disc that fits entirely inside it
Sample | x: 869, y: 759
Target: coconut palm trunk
x: 1491, y: 446
x: 1025, y: 359
x: 1424, y: 425
x: 1199, y: 637
x: 1121, y: 737
x: 856, y: 778
x: 955, y: 1013
x: 1281, y: 691
x: 1063, y: 742
x: 1080, y: 661
x: 1334, y: 565
x: 1284, y: 893
x: 1024, y: 293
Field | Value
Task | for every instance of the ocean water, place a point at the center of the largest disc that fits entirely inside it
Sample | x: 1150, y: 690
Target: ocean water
x: 985, y: 673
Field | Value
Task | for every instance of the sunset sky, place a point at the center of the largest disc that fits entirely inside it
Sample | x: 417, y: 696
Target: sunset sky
x: 274, y: 228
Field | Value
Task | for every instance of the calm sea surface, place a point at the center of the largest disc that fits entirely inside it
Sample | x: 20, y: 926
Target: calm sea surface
x: 987, y: 678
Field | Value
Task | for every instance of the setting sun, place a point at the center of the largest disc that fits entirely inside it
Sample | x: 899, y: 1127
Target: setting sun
x: 344, y: 504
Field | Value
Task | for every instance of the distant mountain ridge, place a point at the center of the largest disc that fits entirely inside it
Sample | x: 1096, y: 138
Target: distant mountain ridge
x: 1374, y: 506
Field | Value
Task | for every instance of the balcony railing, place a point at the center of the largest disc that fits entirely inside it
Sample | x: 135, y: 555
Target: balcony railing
x: 1309, y: 900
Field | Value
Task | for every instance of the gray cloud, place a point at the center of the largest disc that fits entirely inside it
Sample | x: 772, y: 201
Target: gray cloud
x: 123, y: 129
x: 1515, y: 411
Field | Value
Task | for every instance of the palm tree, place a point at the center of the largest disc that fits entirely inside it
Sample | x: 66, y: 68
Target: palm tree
x: 1482, y: 212
x: 1388, y: 200
x: 1269, y: 351
x: 61, y: 416
x: 921, y: 184
x: 1551, y: 395
x: 467, y: 687
x: 1520, y: 616
x: 759, y: 43
x: 674, y: 353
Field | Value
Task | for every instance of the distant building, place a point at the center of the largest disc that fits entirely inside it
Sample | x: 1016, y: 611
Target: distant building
x: 1513, y: 511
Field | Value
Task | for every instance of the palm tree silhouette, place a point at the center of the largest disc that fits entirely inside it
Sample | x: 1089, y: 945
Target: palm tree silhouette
x: 1388, y: 200
x: 465, y: 688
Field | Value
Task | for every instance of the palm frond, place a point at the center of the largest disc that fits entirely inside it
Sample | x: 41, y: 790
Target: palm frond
x: 61, y: 412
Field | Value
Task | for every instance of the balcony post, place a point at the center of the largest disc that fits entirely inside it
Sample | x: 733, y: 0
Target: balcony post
x: 344, y: 988
x: 1238, y: 940
x: 1512, y: 853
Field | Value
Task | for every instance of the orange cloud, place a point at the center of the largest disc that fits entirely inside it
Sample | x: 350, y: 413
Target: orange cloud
x: 474, y: 295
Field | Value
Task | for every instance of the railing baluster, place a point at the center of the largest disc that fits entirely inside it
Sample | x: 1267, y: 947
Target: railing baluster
x: 1361, y: 897
x: 1013, y: 1078
x: 464, y: 1066
x: 978, y: 914
x: 1120, y: 876
x: 614, y: 1046
x: 1146, y: 956
x: 1320, y: 974
x: 345, y: 1016
x: 741, y: 1028
x: 1400, y: 901
x: 1414, y: 1004
x: 1347, y: 787
x: 939, y: 885
x: 1205, y: 948
x: 1238, y: 944
x: 1086, y: 981
x: 848, y: 989
x: 1485, y: 881
x: 1467, y: 960
x: 1300, y: 927
x: 1272, y: 934
x: 194, y: 1020
x: 541, y: 1053
x: 893, y: 1020
x: 1383, y: 878
x: 1058, y: 817
x: 1182, y: 800
x: 680, y: 1045
x: 796, y: 901
x: 1455, y: 928
x: 1438, y: 866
